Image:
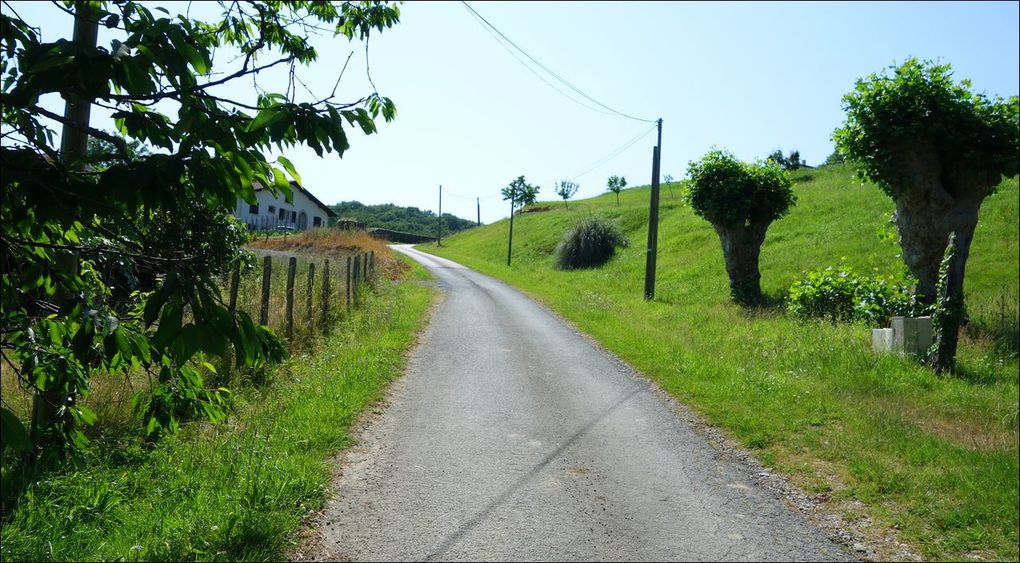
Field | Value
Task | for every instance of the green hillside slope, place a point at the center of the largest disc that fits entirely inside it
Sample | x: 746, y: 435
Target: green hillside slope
x: 879, y: 439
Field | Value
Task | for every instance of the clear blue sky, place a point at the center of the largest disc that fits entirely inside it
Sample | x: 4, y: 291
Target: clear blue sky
x: 748, y: 77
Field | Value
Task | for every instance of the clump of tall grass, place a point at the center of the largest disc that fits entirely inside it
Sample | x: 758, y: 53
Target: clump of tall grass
x: 588, y: 244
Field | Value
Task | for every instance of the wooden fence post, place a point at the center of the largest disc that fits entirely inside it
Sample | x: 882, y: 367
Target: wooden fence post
x: 357, y: 277
x: 365, y: 269
x: 348, y: 283
x: 235, y: 282
x: 267, y: 271
x: 325, y: 292
x: 311, y: 281
x: 291, y: 272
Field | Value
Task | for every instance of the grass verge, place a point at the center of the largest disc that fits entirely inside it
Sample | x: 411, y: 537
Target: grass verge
x: 881, y: 440
x: 234, y: 491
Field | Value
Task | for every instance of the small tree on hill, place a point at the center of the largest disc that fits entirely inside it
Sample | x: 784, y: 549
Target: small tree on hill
x: 616, y: 184
x: 938, y: 150
x: 668, y: 180
x: 521, y: 192
x: 566, y: 190
x: 740, y: 200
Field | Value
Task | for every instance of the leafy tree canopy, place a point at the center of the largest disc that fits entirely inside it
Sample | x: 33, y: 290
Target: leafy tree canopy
x: 521, y: 192
x: 64, y: 221
x: 728, y: 192
x: 917, y: 106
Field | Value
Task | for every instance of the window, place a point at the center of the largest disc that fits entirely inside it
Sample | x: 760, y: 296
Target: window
x: 293, y: 216
x: 272, y: 208
x: 283, y: 213
x: 316, y: 221
x: 253, y: 209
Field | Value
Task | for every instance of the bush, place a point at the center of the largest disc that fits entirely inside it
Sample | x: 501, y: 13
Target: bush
x: 588, y: 244
x: 844, y: 296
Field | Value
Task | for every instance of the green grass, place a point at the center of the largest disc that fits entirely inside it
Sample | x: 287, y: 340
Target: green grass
x: 878, y: 437
x: 235, y: 491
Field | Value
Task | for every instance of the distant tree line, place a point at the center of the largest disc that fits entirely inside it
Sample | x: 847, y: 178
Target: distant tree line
x: 396, y: 218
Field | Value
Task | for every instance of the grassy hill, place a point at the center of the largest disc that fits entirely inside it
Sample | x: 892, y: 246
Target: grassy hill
x: 897, y: 451
x: 396, y: 218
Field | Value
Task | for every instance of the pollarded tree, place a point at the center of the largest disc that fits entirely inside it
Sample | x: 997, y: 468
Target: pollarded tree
x: 938, y: 150
x: 616, y: 184
x: 65, y: 217
x: 566, y: 190
x: 741, y: 200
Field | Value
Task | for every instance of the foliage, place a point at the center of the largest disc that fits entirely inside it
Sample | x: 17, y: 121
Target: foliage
x: 566, y: 190
x: 64, y: 221
x: 844, y: 296
x: 238, y: 492
x: 728, y: 192
x: 616, y: 184
x: 396, y: 218
x: 947, y: 317
x: 520, y: 192
x: 793, y: 162
x: 591, y: 242
x: 835, y: 158
x: 919, y: 102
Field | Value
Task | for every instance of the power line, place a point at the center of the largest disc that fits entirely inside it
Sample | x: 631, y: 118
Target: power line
x: 614, y: 153
x: 532, y: 70
x: 545, y: 68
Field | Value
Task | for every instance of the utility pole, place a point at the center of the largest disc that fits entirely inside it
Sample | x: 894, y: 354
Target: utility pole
x: 478, y: 203
x: 440, y: 238
x: 74, y: 138
x: 653, y: 220
x: 510, y: 245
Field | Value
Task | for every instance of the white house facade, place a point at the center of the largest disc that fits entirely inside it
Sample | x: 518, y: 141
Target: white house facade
x: 273, y: 211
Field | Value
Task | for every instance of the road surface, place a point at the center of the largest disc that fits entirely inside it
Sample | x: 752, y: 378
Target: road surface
x: 512, y: 437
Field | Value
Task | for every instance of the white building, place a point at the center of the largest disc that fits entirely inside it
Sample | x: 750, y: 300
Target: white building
x: 273, y: 211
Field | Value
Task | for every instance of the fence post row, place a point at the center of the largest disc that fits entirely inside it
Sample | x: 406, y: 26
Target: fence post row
x: 267, y: 270
x: 291, y: 272
x: 311, y: 281
x: 348, y: 283
x: 325, y: 292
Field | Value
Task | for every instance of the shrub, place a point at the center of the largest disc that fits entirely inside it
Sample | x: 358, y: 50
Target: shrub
x: 588, y: 244
x: 844, y: 296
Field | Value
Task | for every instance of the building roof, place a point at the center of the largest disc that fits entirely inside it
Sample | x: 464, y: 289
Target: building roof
x: 329, y: 212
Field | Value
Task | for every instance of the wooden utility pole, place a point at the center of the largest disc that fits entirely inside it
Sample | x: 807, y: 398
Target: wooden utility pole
x: 478, y: 204
x: 653, y: 220
x: 510, y: 245
x: 439, y: 241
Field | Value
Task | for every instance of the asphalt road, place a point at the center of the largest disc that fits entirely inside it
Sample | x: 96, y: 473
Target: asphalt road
x: 512, y: 437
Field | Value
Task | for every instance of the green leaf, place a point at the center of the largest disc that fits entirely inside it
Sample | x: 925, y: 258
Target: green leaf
x: 12, y: 432
x: 290, y: 169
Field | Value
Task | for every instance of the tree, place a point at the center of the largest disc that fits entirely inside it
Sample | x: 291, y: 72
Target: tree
x: 566, y: 190
x: 521, y: 192
x: 793, y: 162
x: 616, y: 184
x: 668, y: 180
x: 63, y: 220
x: 938, y: 150
x: 741, y: 200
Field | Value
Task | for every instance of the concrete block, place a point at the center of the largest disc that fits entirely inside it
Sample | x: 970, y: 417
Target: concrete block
x: 881, y: 340
x: 911, y: 335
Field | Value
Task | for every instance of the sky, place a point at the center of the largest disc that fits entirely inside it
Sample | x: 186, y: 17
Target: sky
x: 746, y: 77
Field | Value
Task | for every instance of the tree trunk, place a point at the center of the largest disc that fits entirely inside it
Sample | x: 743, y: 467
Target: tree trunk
x: 741, y: 247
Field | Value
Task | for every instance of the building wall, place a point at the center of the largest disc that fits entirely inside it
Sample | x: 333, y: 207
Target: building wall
x: 274, y: 211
